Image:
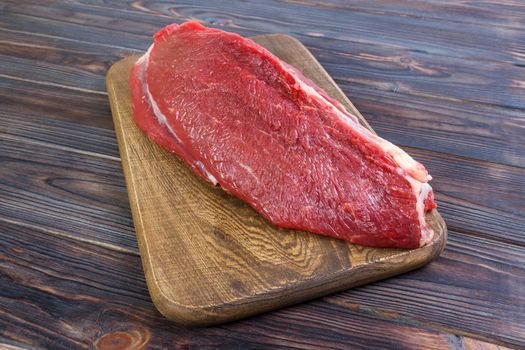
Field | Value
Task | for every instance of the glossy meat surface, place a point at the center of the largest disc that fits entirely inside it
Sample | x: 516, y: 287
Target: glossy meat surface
x: 241, y: 118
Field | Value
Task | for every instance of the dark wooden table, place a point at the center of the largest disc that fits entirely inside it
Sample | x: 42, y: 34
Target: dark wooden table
x: 445, y: 80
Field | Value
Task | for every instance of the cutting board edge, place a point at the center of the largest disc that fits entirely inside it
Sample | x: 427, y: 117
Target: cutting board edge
x: 209, y: 315
x: 206, y: 315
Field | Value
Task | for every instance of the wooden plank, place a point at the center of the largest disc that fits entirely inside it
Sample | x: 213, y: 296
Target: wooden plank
x: 436, y: 36
x: 25, y: 20
x: 418, y: 73
x: 41, y: 99
x: 49, y: 134
x: 65, y: 193
x: 502, y: 14
x: 83, y: 72
x: 187, y: 229
x: 63, y: 294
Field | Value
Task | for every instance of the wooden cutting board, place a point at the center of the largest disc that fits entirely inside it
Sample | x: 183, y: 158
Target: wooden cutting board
x: 210, y: 258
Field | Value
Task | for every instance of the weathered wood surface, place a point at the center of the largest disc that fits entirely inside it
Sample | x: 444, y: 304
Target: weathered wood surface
x: 444, y: 80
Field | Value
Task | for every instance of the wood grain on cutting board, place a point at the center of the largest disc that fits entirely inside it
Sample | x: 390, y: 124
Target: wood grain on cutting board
x: 208, y: 257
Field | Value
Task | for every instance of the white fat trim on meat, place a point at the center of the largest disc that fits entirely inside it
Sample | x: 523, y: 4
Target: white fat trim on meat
x: 408, y: 167
x: 426, y: 233
x: 161, y: 118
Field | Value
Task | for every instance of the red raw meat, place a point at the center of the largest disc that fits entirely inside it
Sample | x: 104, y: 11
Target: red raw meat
x: 243, y: 119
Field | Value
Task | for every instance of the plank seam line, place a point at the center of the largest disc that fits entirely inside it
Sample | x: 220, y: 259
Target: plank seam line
x: 131, y: 49
x: 259, y: 32
x: 471, y: 233
x: 420, y: 152
x: 393, y: 13
x: 59, y: 147
x: 57, y: 20
x: 53, y: 84
x: 142, y: 12
x: 22, y: 44
x: 6, y: 346
x: 344, y: 81
x: 64, y: 235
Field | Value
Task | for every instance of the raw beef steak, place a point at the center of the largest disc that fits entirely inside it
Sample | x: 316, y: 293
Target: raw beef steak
x: 243, y: 119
